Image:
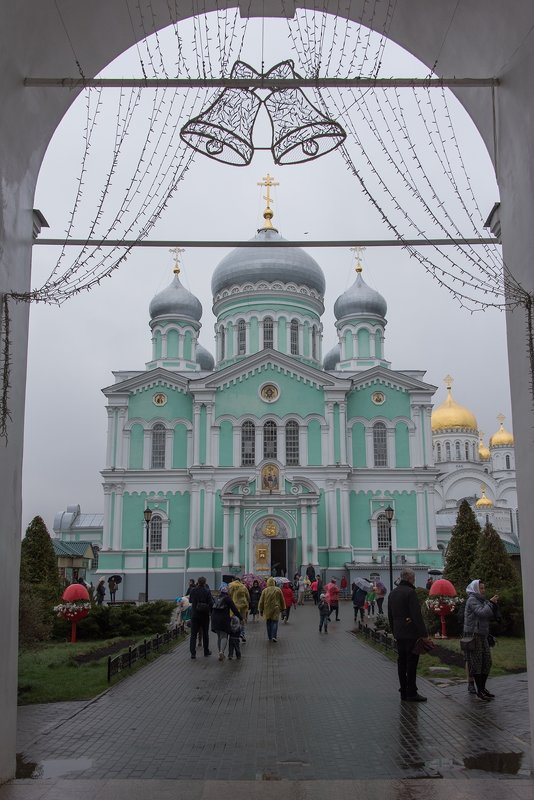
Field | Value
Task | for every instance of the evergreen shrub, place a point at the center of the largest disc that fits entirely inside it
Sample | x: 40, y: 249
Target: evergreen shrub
x: 108, y: 621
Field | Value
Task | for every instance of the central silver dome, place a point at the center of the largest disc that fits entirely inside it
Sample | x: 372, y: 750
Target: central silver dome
x: 252, y: 264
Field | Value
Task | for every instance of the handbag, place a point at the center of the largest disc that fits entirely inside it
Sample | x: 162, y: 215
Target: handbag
x: 492, y: 641
x: 422, y: 646
x: 467, y: 643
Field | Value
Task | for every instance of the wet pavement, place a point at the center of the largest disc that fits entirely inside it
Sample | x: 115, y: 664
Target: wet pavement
x: 308, y: 709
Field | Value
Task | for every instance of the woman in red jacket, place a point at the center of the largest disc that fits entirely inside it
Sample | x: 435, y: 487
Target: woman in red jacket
x: 287, y: 591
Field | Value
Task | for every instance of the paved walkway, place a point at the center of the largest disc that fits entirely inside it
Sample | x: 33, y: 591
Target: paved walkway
x: 310, y: 708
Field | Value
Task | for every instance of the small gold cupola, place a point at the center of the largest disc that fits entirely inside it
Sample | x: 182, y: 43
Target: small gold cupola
x: 483, y: 452
x: 502, y: 438
x: 484, y: 502
x: 451, y: 414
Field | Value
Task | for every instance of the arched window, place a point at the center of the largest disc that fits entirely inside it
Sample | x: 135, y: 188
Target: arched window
x: 241, y: 337
x: 458, y: 451
x: 507, y: 462
x: 268, y: 339
x: 96, y: 552
x: 294, y: 337
x: 314, y: 342
x: 158, y: 446
x: 467, y: 451
x: 223, y: 342
x: 292, y: 443
x: 438, y: 452
x: 447, y: 451
x: 382, y: 531
x: 474, y: 452
x: 380, y: 445
x: 269, y: 440
x: 248, y: 444
x: 156, y: 528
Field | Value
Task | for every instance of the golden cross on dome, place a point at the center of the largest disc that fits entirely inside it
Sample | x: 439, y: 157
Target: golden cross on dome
x: 501, y: 418
x: 176, y: 251
x: 358, y: 252
x: 448, y: 380
x: 268, y: 181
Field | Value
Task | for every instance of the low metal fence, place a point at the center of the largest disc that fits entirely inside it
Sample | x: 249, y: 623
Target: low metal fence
x: 128, y: 658
x: 378, y: 637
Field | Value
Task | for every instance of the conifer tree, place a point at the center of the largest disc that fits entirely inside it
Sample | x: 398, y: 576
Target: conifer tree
x: 492, y: 564
x: 38, y: 561
x: 462, y: 547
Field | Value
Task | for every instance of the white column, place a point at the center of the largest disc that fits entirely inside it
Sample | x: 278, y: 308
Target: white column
x: 226, y: 534
x: 303, y: 449
x: 343, y: 433
x: 117, y: 523
x: 215, y: 449
x: 304, y: 531
x: 236, y: 440
x: 301, y: 338
x: 392, y: 453
x: 237, y: 510
x: 147, y: 448
x: 427, y: 422
x: 330, y: 425
x: 109, y: 442
x: 422, y: 537
x: 209, y: 429
x: 169, y: 447
x: 107, y: 518
x: 121, y: 448
x: 369, y: 450
x: 189, y: 437
x: 258, y: 439
x: 430, y: 499
x: 196, y: 432
x: 416, y: 416
x: 331, y: 514
x: 194, y: 535
x: 412, y: 445
x: 164, y: 345
x: 280, y: 443
x: 208, y: 515
x: 345, y: 515
x: 315, y: 553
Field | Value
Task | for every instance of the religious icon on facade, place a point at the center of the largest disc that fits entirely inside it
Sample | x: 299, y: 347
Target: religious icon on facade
x: 270, y: 528
x: 270, y: 478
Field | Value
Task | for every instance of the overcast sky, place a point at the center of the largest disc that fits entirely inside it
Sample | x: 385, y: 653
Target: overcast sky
x: 74, y: 348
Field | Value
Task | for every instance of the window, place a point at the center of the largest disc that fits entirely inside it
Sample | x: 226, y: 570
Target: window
x: 223, y: 342
x: 294, y: 337
x: 380, y: 445
x: 96, y: 551
x: 382, y: 530
x: 474, y: 453
x: 241, y: 337
x: 156, y: 528
x: 447, y: 451
x: 292, y: 443
x: 269, y: 440
x: 158, y: 446
x: 438, y: 452
x: 507, y: 462
x: 268, y: 340
x: 458, y: 452
x: 314, y: 342
x: 248, y: 444
x: 467, y: 451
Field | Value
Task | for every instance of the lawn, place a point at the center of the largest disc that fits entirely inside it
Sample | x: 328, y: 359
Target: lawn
x: 55, y: 672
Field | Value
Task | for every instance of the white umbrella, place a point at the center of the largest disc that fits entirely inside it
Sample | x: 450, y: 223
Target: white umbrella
x: 361, y: 583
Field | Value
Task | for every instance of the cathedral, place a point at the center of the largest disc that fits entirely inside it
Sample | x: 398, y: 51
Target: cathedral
x: 272, y: 456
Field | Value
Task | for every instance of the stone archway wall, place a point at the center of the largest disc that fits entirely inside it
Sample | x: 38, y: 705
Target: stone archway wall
x: 485, y: 37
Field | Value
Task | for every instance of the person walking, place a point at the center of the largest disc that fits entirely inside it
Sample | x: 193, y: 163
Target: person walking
x: 287, y: 591
x: 358, y: 601
x: 201, y: 604
x: 314, y: 591
x: 254, y: 594
x: 343, y: 586
x: 220, y: 619
x: 478, y: 614
x: 407, y: 625
x: 332, y: 597
x: 271, y: 606
x: 240, y: 595
x: 310, y: 572
x: 100, y: 591
x: 234, y: 647
x: 370, y: 598
x: 380, y: 591
x: 301, y: 589
x: 324, y: 613
x: 112, y: 586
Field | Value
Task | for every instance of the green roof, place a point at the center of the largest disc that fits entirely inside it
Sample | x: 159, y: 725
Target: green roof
x: 70, y: 549
x: 512, y: 549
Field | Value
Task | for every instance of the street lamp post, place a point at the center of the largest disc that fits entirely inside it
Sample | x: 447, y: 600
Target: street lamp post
x: 389, y: 516
x: 147, y: 513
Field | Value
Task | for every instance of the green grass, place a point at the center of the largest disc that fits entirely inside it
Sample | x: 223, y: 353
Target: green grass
x: 49, y: 672
x: 509, y: 656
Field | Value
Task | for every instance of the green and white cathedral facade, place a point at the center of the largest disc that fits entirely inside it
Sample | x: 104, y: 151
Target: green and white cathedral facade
x: 271, y: 455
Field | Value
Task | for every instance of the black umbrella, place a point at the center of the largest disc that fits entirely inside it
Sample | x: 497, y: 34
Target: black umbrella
x: 116, y: 578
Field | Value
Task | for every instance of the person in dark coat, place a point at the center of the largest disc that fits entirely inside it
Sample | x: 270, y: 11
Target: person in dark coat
x: 310, y: 572
x: 254, y: 592
x: 358, y: 601
x: 201, y: 604
x: 407, y: 625
x: 220, y: 618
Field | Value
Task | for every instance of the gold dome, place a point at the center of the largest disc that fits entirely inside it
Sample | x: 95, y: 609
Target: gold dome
x: 483, y: 451
x: 484, y: 502
x: 451, y: 414
x: 502, y: 438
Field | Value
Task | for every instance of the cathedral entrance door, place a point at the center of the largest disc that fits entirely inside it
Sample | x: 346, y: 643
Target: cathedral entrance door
x: 279, y: 557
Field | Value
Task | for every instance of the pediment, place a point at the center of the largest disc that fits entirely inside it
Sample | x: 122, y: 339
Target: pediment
x: 391, y: 378
x: 148, y: 379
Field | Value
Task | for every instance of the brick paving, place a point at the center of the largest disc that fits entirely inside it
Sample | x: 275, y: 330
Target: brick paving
x: 312, y: 707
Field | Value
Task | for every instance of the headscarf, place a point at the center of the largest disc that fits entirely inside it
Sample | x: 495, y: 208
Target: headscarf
x: 474, y: 587
x: 223, y: 588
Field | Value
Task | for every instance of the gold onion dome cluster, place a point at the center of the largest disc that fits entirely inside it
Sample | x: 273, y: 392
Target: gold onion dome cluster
x: 502, y: 438
x: 451, y: 414
x: 484, y: 502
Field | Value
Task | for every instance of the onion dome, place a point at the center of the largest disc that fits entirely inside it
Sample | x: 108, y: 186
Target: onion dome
x: 253, y: 264
x: 332, y: 358
x: 484, y: 502
x: 502, y: 438
x: 359, y: 300
x: 483, y: 452
x: 175, y: 301
x: 451, y: 414
x: 204, y: 358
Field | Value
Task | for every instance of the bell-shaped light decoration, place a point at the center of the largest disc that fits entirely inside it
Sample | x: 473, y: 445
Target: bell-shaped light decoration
x: 300, y: 131
x: 224, y: 130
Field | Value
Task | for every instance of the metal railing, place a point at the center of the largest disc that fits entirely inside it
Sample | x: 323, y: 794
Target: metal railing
x: 128, y: 658
x: 378, y: 637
